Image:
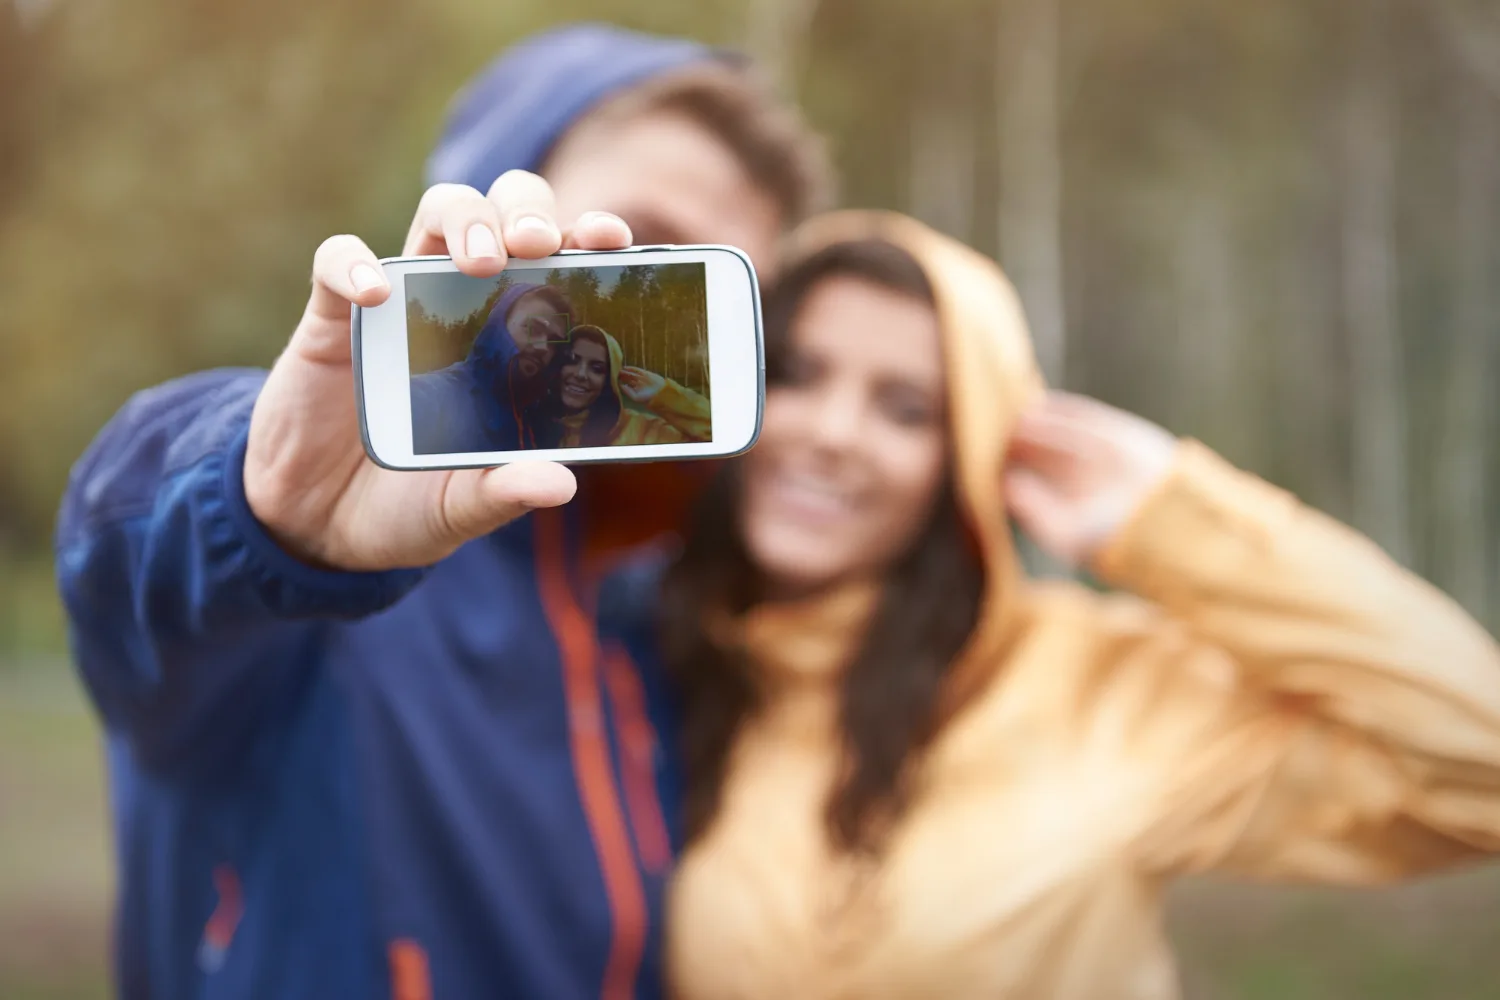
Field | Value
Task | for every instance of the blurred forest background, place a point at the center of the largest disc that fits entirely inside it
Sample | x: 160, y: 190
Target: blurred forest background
x: 1273, y: 225
x: 657, y: 312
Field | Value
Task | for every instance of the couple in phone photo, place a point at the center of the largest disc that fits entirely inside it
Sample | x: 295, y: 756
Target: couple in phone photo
x: 537, y: 378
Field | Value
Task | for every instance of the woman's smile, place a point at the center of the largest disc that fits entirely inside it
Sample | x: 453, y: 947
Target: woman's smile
x: 582, y: 378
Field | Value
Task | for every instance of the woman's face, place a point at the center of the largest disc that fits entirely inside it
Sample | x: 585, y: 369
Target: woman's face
x: 852, y: 451
x: 583, y: 374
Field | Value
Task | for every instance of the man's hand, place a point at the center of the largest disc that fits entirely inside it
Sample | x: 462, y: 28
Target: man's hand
x: 1078, y: 469
x: 307, y: 477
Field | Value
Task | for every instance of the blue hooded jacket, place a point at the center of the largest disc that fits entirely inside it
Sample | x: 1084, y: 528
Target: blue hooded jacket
x: 444, y: 783
x: 471, y: 406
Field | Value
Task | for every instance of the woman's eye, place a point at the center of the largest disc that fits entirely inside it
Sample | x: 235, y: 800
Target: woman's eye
x: 798, y: 371
x: 910, y: 411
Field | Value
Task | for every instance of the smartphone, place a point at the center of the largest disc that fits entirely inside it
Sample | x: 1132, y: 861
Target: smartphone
x: 646, y: 354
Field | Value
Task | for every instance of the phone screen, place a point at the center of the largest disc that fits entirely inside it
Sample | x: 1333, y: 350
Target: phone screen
x: 559, y: 357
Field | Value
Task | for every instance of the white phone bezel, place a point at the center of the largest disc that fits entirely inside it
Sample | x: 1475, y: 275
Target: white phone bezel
x: 736, y: 363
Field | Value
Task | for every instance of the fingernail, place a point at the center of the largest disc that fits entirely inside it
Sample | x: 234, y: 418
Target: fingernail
x: 365, y: 278
x: 534, y: 224
x: 480, y: 241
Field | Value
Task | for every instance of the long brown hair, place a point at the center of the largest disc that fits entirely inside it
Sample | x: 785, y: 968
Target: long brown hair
x: 890, y: 695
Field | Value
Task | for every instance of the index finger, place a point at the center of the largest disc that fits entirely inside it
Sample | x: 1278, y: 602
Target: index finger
x: 457, y: 221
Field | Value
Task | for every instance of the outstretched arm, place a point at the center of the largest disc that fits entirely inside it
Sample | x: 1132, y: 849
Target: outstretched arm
x: 686, y: 412
x: 1332, y: 716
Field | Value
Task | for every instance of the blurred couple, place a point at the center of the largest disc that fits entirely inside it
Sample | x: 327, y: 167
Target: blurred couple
x: 378, y: 734
x: 535, y: 378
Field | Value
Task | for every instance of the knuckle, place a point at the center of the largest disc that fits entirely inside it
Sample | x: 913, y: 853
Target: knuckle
x: 339, y: 243
x: 521, y: 186
x: 442, y: 194
x: 466, y: 208
x: 336, y: 249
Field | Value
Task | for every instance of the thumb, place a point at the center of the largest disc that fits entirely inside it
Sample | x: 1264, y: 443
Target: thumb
x: 1034, y: 504
x: 479, y: 501
x: 1027, y: 494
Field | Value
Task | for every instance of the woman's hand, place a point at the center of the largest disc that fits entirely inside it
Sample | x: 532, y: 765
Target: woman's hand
x: 1078, y: 469
x: 639, y: 385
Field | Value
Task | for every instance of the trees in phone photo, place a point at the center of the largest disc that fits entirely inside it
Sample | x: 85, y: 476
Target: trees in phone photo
x: 658, y: 313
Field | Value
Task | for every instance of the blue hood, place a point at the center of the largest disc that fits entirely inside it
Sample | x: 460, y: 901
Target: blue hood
x: 494, y: 347
x: 511, y: 115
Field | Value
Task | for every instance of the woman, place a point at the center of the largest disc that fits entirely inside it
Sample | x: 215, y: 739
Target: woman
x: 913, y: 772
x: 477, y: 404
x: 585, y: 407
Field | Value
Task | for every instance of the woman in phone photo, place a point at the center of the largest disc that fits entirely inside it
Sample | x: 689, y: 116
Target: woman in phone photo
x: 588, y: 387
x: 914, y: 771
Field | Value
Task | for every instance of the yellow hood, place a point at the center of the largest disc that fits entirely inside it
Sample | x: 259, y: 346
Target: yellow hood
x: 992, y: 376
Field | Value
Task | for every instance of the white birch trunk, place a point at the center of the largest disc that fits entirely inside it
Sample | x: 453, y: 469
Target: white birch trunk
x: 1205, y: 374
x: 1030, y: 238
x: 1379, y: 408
x: 1465, y: 447
x: 777, y: 33
x: 943, y: 163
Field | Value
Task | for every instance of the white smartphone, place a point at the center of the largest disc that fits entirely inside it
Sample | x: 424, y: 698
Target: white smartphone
x: 646, y: 354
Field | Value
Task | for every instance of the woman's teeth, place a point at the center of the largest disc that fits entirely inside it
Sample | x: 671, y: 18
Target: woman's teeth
x: 814, y: 494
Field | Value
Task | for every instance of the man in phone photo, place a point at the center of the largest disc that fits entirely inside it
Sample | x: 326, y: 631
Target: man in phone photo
x: 358, y: 743
x: 480, y: 403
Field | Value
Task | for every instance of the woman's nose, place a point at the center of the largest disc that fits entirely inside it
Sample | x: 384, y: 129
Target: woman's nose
x: 837, y: 421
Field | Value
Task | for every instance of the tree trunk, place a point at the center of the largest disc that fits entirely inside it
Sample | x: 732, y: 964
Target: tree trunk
x: 1379, y: 410
x: 1030, y: 238
x: 777, y: 32
x: 942, y: 175
x: 1471, y: 32
x: 1463, y: 463
x: 1206, y: 373
x: 1312, y: 391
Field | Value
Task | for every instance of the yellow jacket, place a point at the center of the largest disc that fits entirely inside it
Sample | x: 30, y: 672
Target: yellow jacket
x: 1275, y: 698
x: 677, y: 413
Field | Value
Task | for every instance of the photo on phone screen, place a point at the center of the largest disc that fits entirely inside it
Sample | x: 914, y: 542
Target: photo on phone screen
x: 565, y: 357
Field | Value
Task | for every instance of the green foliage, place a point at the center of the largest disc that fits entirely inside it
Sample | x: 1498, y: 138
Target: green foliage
x: 657, y: 312
x: 168, y: 167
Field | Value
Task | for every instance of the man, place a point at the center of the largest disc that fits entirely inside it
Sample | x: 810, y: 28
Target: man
x: 479, y: 403
x: 358, y: 739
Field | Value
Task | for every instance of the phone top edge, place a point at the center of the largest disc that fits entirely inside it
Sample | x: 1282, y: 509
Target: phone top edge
x: 645, y: 248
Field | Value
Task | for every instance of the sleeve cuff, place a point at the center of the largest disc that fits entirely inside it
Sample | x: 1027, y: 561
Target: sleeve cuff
x: 288, y: 585
x: 667, y: 400
x: 1205, y: 519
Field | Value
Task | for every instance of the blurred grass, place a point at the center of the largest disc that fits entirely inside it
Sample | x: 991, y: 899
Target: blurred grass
x: 1431, y: 941
x: 55, y: 860
x: 31, y: 617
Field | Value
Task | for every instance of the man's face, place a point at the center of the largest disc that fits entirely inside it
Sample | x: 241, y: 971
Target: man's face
x: 671, y: 180
x: 537, y: 328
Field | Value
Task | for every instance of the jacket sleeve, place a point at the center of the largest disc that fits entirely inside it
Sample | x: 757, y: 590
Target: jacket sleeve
x: 1333, y: 717
x: 685, y: 412
x: 188, y: 623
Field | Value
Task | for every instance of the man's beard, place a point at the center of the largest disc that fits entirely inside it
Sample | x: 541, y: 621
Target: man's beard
x: 529, y: 378
x: 530, y: 366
